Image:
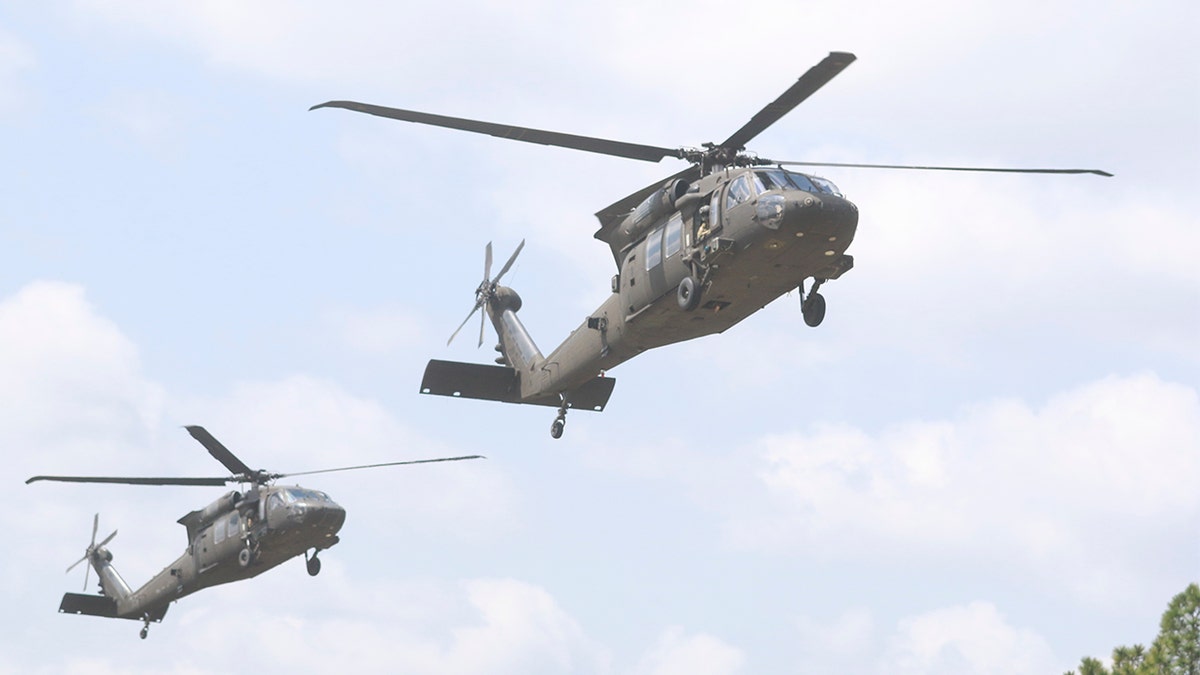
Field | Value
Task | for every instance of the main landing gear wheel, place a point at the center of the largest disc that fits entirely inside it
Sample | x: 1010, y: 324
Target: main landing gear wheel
x: 145, y: 626
x: 245, y: 557
x: 814, y: 309
x: 688, y: 294
x: 313, y: 564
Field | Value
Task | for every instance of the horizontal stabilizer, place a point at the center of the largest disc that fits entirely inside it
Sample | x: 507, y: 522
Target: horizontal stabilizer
x: 499, y: 383
x: 99, y: 605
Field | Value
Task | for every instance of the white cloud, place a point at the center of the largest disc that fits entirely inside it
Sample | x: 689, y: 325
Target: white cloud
x: 1050, y: 488
x: 678, y: 653
x: 504, y: 626
x: 66, y: 368
x: 973, y: 639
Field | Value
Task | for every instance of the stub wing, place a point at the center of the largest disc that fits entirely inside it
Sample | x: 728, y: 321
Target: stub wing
x: 500, y: 383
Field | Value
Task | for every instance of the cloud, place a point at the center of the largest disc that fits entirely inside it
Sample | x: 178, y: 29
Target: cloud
x: 482, y: 626
x: 1085, y: 492
x: 677, y: 653
x: 66, y: 368
x: 1051, y: 488
x: 974, y: 638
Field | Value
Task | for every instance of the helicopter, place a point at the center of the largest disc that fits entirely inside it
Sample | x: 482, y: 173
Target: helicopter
x: 238, y: 536
x: 695, y: 254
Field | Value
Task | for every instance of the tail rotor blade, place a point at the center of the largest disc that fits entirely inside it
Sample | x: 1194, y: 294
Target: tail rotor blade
x: 95, y: 527
x: 76, y: 563
x: 107, y: 539
x: 511, y: 259
x: 460, y: 326
x: 482, y: 316
x: 487, y: 262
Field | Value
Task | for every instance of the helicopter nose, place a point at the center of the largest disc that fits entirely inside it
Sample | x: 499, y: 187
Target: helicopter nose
x: 324, y: 515
x: 808, y: 214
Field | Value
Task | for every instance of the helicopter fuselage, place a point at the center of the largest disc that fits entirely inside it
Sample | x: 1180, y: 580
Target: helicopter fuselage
x: 738, y: 239
x: 745, y: 242
x: 236, y: 537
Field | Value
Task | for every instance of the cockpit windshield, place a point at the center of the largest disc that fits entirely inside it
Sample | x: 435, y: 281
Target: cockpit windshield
x: 779, y: 179
x: 298, y: 493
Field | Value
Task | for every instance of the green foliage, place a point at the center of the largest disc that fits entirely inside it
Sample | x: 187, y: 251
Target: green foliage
x: 1176, y: 650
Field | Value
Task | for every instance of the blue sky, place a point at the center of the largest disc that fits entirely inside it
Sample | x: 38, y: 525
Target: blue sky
x: 984, y: 460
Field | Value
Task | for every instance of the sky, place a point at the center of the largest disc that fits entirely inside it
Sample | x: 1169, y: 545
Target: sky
x: 985, y: 460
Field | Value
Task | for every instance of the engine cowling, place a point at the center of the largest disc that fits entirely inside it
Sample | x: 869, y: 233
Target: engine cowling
x: 659, y: 204
x: 224, y: 504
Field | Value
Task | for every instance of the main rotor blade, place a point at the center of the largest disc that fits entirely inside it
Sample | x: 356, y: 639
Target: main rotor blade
x: 220, y: 452
x: 135, y: 480
x: 647, y: 153
x: 375, y: 466
x: 809, y: 82
x: 1097, y: 172
x: 511, y: 259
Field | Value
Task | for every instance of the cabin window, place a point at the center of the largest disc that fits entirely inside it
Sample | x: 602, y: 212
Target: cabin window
x: 654, y: 248
x: 232, y: 527
x: 673, y: 238
x: 738, y: 192
x: 218, y: 533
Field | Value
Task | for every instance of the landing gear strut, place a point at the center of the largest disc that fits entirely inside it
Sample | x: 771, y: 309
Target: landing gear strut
x: 313, y: 564
x: 145, y: 626
x: 556, y: 428
x: 812, y: 306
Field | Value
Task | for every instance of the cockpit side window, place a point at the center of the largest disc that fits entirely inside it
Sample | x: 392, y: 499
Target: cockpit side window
x: 738, y: 192
x: 825, y: 185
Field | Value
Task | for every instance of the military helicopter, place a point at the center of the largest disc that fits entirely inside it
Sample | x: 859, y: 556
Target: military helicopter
x: 238, y: 536
x: 695, y: 255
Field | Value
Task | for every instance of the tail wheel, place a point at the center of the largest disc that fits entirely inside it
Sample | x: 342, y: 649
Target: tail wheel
x: 814, y: 310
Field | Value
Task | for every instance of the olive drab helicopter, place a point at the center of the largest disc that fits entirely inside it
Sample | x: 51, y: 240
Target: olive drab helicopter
x: 238, y: 536
x: 695, y: 254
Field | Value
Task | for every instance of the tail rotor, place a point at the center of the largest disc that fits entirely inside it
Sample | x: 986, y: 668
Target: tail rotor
x: 487, y: 289
x: 91, y: 550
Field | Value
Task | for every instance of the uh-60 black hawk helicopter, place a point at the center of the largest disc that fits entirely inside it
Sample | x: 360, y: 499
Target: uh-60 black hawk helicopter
x: 695, y: 255
x: 238, y: 536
